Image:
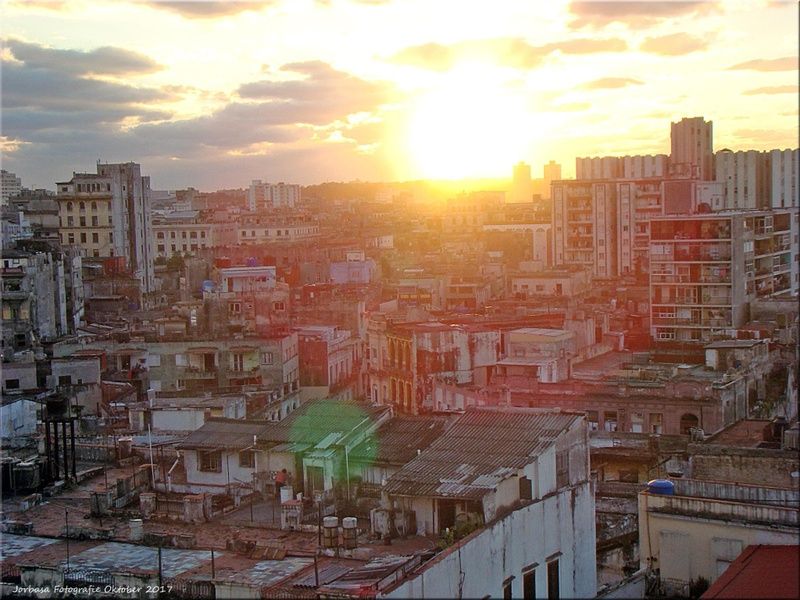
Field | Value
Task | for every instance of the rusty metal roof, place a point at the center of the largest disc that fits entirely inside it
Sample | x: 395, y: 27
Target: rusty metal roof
x: 398, y: 441
x: 482, y: 448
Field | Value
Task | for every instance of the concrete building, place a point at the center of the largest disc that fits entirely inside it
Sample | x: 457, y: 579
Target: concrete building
x: 181, y: 233
x: 262, y: 195
x: 328, y: 360
x: 706, y: 270
x: 585, y: 226
x: 254, y: 229
x: 198, y: 364
x: 404, y: 359
x: 784, y: 166
x: 10, y: 185
x: 572, y: 284
x: 518, y: 491
x: 703, y: 526
x: 692, y: 149
x: 108, y: 214
x: 622, y: 167
x: 758, y: 180
x: 521, y: 185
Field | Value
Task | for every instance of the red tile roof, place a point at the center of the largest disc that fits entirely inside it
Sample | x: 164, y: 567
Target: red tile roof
x: 760, y: 572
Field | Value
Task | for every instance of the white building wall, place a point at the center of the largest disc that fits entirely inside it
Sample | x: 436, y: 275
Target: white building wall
x: 18, y: 419
x: 560, y: 526
x: 784, y: 178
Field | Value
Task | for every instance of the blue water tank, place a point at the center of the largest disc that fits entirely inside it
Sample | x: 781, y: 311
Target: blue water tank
x: 207, y: 286
x: 663, y: 487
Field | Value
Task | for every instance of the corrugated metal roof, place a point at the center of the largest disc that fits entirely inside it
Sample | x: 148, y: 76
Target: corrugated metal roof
x: 398, y: 440
x: 326, y: 421
x: 483, y: 447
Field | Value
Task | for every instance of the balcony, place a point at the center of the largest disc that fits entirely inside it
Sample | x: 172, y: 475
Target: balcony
x: 191, y: 372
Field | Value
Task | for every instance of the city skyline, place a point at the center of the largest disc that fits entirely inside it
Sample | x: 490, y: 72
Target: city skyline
x: 380, y: 90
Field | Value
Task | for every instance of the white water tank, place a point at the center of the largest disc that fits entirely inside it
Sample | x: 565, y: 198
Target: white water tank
x: 137, y: 530
x: 287, y: 493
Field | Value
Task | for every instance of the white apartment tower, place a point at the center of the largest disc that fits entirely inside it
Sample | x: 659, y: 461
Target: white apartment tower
x: 10, y: 185
x: 783, y: 177
x: 692, y: 148
x: 521, y: 184
x: 272, y: 195
x: 108, y: 214
x: 585, y: 226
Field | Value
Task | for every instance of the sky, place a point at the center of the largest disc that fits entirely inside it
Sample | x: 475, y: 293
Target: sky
x: 215, y: 94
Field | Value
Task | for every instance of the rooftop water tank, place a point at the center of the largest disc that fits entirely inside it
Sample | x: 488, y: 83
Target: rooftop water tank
x: 662, y: 487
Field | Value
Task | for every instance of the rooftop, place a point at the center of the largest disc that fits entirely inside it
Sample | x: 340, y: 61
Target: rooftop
x: 747, y: 576
x: 482, y: 448
x: 399, y: 440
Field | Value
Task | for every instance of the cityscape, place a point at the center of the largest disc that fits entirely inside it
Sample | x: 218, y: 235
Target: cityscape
x: 342, y: 299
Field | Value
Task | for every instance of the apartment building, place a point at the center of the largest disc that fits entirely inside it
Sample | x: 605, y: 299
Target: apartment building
x: 181, y: 232
x: 403, y: 358
x: 585, y: 226
x: 108, y: 214
x: 10, y: 185
x: 622, y: 167
x: 692, y: 149
x: 263, y: 195
x: 706, y: 269
x: 254, y: 229
x: 758, y: 180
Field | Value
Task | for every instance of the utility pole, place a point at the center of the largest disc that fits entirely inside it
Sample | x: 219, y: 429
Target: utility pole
x: 66, y: 528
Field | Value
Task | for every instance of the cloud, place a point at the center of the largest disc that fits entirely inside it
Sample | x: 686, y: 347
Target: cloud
x: 587, y: 46
x: 675, y: 44
x: 511, y: 52
x: 775, y: 137
x: 773, y: 89
x: 202, y: 9
x: 435, y: 57
x: 48, y: 89
x: 321, y: 96
x: 107, y: 60
x: 609, y: 83
x: 787, y: 63
x: 636, y: 15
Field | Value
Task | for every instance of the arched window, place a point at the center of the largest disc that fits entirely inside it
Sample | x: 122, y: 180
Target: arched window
x: 82, y: 206
x: 94, y: 205
x: 69, y: 206
x: 688, y: 421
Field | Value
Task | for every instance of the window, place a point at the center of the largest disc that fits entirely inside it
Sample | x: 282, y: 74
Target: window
x: 69, y: 206
x: 237, y: 362
x: 95, y: 238
x: 94, y: 206
x: 247, y: 459
x: 507, y: 589
x: 592, y: 419
x: 12, y: 384
x: 553, y: 591
x: 64, y: 380
x: 70, y: 221
x: 266, y: 358
x: 610, y: 420
x: 209, y: 461
x: 525, y: 489
x: 82, y: 221
x: 95, y: 222
x: 71, y: 238
x: 279, y: 306
x: 656, y: 420
x: 529, y: 584
x: 83, y: 238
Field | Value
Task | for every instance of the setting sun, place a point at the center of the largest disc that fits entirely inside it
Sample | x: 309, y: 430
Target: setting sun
x: 466, y: 125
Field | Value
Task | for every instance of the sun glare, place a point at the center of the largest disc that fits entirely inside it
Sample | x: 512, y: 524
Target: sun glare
x: 468, y: 125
